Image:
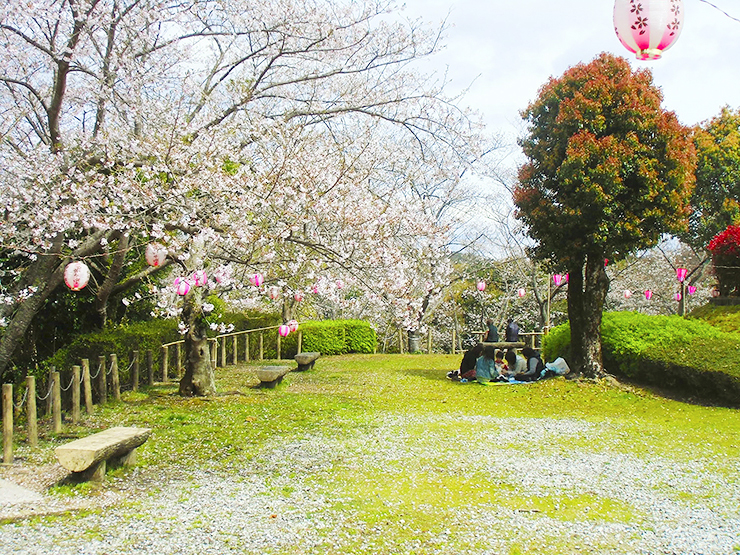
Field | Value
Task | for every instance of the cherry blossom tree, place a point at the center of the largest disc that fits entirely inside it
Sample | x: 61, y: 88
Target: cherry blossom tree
x: 283, y: 137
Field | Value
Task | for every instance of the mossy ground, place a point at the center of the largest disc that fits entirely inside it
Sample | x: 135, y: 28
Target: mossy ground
x: 413, y: 491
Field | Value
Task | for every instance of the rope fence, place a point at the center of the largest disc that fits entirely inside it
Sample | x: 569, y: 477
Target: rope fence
x: 86, y: 388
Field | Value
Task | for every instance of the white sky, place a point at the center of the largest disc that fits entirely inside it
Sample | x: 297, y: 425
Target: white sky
x: 508, y: 49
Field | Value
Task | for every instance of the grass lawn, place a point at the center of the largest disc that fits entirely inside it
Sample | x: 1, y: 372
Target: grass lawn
x: 406, y: 461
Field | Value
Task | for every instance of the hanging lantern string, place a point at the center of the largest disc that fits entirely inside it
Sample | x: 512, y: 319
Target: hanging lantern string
x: 720, y: 10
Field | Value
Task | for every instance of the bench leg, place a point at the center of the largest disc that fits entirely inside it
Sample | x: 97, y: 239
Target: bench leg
x: 127, y: 459
x: 96, y: 473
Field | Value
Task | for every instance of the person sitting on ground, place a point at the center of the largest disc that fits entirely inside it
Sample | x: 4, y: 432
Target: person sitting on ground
x: 502, y: 370
x: 516, y: 363
x: 512, y: 331
x: 534, y: 366
x: 485, y: 366
x: 492, y: 335
x: 467, y: 365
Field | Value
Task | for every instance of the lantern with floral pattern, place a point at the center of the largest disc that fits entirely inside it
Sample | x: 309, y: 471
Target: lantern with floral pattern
x: 76, y: 275
x: 648, y: 27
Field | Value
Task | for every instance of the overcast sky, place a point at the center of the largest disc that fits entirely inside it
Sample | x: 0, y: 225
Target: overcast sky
x: 507, y: 50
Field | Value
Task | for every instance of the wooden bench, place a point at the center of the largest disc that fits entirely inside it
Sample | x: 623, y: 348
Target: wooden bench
x: 87, y: 457
x: 306, y: 360
x: 505, y: 345
x: 270, y: 376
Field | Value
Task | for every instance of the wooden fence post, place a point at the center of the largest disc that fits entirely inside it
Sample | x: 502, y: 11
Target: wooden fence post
x: 246, y: 347
x: 223, y: 352
x: 76, y: 394
x: 178, y: 361
x: 453, y: 341
x: 135, y: 372
x: 150, y: 366
x: 7, y: 423
x: 31, y: 420
x: 277, y: 346
x: 56, y: 403
x: 165, y: 362
x: 49, y: 384
x: 262, y: 346
x: 300, y: 341
x: 87, y: 386
x: 115, y: 381
x: 214, y: 352
x: 102, y: 380
x: 429, y: 341
x: 235, y: 345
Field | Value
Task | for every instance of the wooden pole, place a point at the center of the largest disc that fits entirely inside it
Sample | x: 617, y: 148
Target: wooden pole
x: 214, y: 352
x: 223, y: 352
x: 87, y: 386
x: 246, y: 347
x: 429, y: 341
x: 49, y: 384
x: 76, y: 371
x: 453, y: 340
x: 400, y: 341
x: 56, y: 403
x: 165, y: 362
x: 300, y: 341
x: 32, y: 428
x: 262, y: 346
x: 102, y: 381
x: 115, y: 381
x: 235, y: 345
x: 278, y: 345
x: 178, y: 361
x: 135, y: 372
x: 8, y: 423
x: 150, y: 366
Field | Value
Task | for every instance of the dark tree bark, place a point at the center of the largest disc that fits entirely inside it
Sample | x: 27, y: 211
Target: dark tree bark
x: 199, y: 376
x: 586, y: 297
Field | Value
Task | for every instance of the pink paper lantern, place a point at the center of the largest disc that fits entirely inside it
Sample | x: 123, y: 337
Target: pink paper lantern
x: 200, y: 278
x: 293, y: 325
x: 257, y: 280
x: 677, y: 296
x: 521, y: 292
x: 648, y: 27
x: 627, y: 293
x: 284, y: 330
x: 76, y: 275
x: 274, y: 292
x: 183, y: 286
x: 566, y: 277
x: 648, y: 294
x: 691, y: 289
x: 557, y: 280
x: 681, y: 274
x: 155, y: 254
x: 481, y: 285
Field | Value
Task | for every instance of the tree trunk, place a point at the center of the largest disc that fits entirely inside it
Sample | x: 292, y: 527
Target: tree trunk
x: 586, y: 297
x: 199, y: 377
x: 111, y: 277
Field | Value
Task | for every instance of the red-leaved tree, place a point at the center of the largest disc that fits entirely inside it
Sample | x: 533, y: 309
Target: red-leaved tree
x: 725, y: 249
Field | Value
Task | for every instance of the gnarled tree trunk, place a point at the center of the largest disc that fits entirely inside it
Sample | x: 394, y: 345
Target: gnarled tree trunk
x: 586, y: 296
x: 199, y: 377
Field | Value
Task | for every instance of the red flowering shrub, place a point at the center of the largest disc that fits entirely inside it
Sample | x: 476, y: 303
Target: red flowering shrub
x: 725, y: 249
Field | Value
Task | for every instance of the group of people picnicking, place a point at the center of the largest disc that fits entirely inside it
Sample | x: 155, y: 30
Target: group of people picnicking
x: 484, y: 363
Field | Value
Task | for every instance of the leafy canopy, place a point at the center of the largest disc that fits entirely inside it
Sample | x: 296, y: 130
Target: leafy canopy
x: 608, y: 170
x: 717, y: 193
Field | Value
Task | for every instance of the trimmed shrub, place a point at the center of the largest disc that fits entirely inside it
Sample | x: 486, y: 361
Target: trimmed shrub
x: 122, y: 341
x: 336, y: 337
x: 690, y: 357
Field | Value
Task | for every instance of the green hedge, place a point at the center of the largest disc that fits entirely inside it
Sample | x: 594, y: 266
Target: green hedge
x: 336, y: 337
x: 686, y: 356
x: 141, y: 336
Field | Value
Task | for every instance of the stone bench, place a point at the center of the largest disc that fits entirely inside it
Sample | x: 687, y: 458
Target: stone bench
x: 270, y: 376
x: 306, y: 360
x: 87, y: 457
